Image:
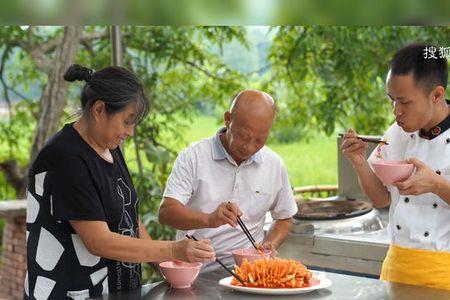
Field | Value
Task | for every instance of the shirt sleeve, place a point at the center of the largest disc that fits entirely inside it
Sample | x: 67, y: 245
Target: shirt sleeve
x: 180, y: 184
x: 284, y: 205
x: 74, y: 195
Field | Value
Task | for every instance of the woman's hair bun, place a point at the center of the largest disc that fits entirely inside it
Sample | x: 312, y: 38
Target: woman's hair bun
x: 78, y: 72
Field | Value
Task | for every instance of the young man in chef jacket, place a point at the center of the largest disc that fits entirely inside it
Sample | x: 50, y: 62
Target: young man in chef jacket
x: 419, y: 216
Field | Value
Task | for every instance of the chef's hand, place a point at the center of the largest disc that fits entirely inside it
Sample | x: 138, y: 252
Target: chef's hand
x: 267, y: 245
x: 423, y: 181
x: 225, y: 213
x: 354, y: 149
x: 193, y: 251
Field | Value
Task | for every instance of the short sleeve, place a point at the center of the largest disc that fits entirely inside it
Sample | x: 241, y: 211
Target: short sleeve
x: 73, y: 194
x: 284, y: 205
x: 180, y: 184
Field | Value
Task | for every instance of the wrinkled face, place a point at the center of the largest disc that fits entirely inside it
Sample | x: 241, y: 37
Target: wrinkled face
x: 113, y: 129
x: 246, y: 135
x: 412, y: 107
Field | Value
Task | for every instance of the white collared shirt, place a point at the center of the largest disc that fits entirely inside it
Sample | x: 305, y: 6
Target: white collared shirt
x: 204, y: 175
x: 423, y: 221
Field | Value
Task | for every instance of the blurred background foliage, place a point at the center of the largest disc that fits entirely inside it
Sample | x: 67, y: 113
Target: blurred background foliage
x: 219, y: 12
x: 333, y: 77
x: 324, y: 79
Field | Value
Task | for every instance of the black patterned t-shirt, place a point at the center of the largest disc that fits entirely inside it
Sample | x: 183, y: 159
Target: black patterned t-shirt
x: 70, y: 181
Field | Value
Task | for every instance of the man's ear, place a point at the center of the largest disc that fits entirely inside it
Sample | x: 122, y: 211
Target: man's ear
x: 227, y: 119
x: 98, y: 109
x: 438, y: 94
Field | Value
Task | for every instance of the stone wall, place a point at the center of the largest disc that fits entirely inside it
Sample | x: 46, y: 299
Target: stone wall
x: 14, y: 253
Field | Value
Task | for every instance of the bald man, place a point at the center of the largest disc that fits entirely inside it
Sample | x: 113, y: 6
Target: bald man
x: 233, y: 173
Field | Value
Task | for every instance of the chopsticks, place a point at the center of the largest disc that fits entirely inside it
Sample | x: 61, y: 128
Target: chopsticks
x: 246, y: 231
x: 220, y: 263
x: 367, y: 139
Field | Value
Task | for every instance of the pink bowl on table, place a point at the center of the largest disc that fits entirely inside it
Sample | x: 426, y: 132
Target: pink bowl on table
x: 251, y: 254
x: 390, y: 171
x: 180, y: 274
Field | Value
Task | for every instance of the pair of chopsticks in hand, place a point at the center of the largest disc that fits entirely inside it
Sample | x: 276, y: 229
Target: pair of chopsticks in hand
x: 191, y: 237
x: 246, y: 231
x: 249, y: 236
x: 367, y: 139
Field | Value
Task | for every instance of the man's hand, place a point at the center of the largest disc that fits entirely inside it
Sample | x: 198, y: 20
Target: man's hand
x: 423, y: 181
x: 267, y: 245
x: 225, y: 213
x: 193, y: 251
x: 277, y: 234
x: 354, y: 148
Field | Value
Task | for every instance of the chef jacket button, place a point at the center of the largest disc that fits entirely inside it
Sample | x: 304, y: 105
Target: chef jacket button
x: 426, y: 234
x: 406, y: 200
x: 435, y: 205
x: 398, y: 227
x: 412, y: 135
x: 447, y: 140
x: 438, y: 172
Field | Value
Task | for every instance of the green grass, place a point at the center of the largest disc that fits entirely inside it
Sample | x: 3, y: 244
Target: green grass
x: 308, y: 163
x: 202, y: 127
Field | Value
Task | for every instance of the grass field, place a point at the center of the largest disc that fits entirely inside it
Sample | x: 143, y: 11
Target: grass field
x: 308, y: 163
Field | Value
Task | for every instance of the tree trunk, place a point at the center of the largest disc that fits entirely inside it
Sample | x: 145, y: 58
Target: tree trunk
x: 52, y: 103
x: 53, y: 100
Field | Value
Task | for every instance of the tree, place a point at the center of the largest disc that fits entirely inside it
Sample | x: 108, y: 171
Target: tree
x: 53, y: 100
x: 333, y: 77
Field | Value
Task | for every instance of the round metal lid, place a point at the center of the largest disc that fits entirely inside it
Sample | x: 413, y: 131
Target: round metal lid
x: 332, y: 209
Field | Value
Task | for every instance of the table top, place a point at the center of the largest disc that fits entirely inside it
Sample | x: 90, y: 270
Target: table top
x: 343, y: 287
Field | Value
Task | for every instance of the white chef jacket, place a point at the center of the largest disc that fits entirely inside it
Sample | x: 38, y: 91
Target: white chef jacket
x: 205, y: 175
x: 422, y: 221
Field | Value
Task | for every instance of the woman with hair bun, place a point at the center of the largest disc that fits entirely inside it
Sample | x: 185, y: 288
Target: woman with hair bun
x: 84, y: 236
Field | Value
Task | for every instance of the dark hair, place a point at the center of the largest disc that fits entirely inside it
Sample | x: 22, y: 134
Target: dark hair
x: 427, y: 71
x: 115, y: 86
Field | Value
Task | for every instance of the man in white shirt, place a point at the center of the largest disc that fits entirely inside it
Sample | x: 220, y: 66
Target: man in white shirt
x: 419, y: 216
x: 231, y: 174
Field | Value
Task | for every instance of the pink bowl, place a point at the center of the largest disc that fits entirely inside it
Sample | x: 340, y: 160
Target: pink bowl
x: 180, y: 274
x: 250, y: 254
x: 390, y: 171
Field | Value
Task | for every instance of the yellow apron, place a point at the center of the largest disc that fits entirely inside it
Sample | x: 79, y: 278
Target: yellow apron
x: 417, y: 267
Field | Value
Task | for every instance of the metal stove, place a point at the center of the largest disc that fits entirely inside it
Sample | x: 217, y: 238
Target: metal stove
x: 342, y: 233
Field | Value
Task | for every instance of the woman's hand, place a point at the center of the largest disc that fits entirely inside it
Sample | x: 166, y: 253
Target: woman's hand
x: 193, y: 251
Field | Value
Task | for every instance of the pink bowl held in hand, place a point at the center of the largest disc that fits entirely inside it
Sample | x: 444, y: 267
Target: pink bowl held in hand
x: 390, y: 171
x: 180, y: 274
x: 251, y: 254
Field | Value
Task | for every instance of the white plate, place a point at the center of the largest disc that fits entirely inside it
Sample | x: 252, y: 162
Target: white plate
x: 324, y: 283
